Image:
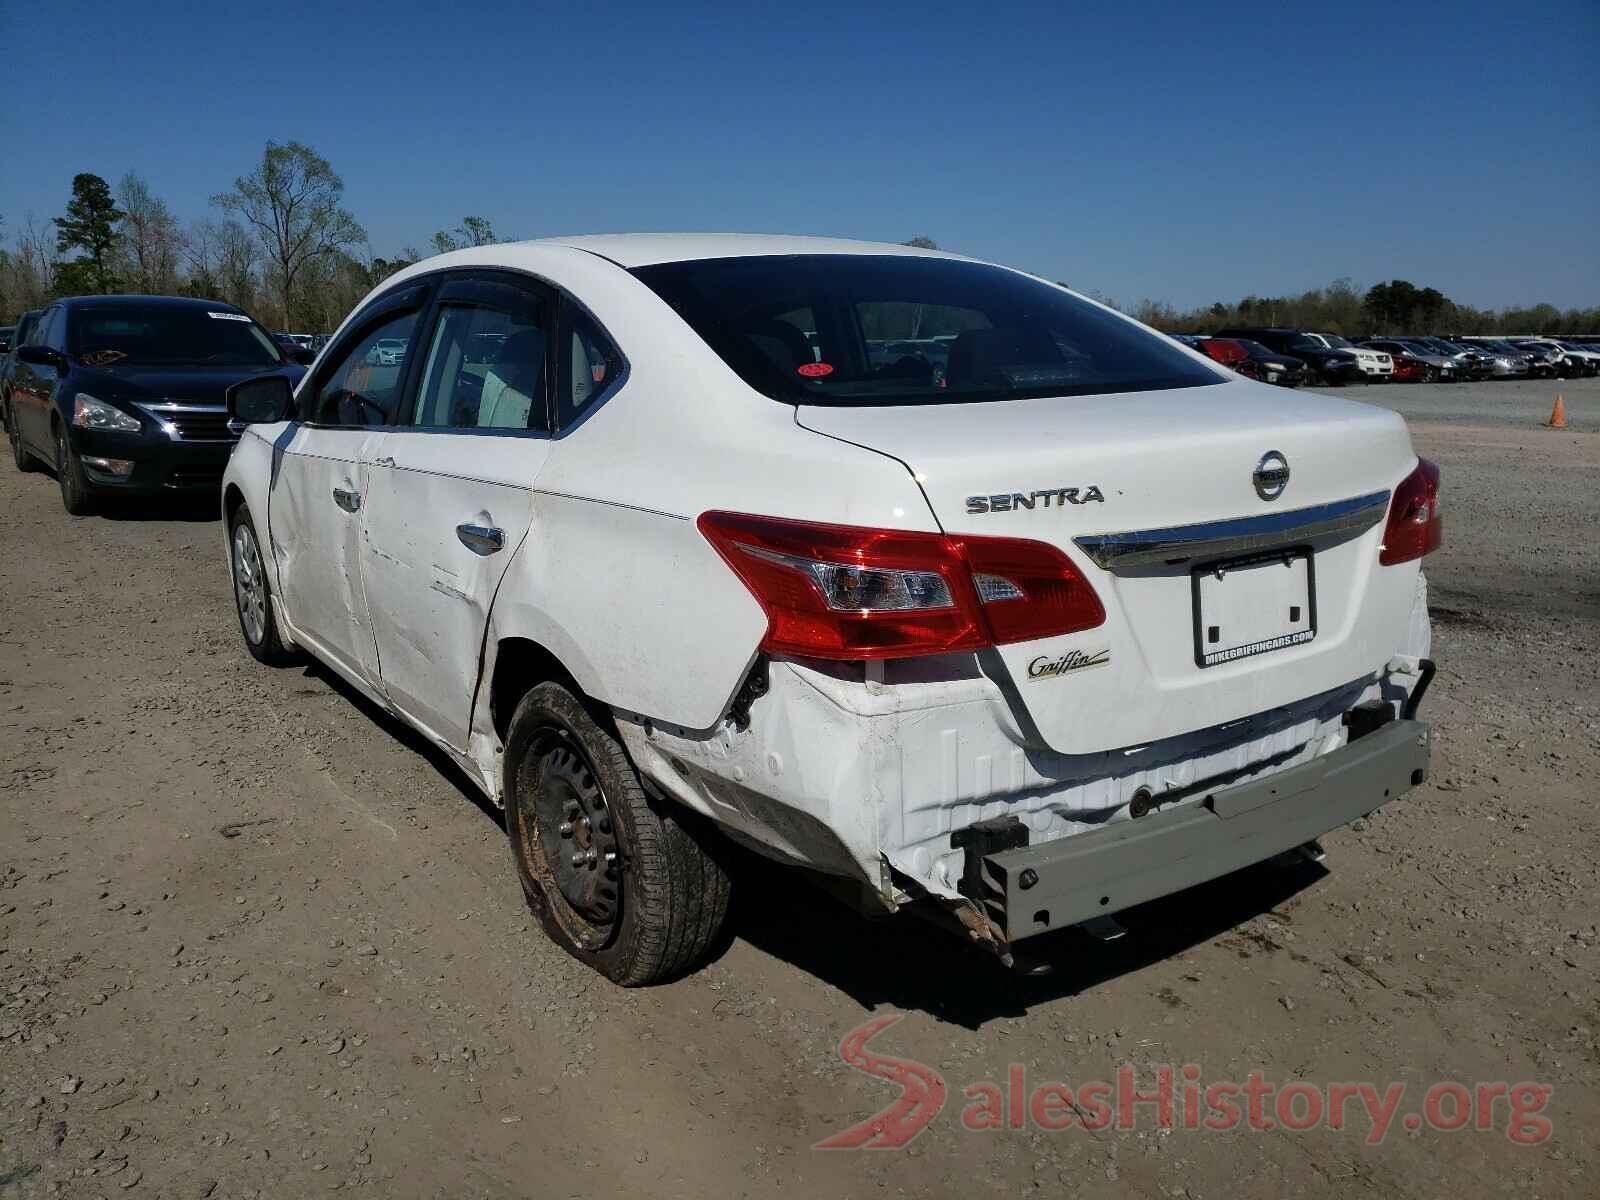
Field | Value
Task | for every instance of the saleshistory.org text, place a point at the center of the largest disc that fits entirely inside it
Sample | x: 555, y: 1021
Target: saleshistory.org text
x: 1177, y: 1097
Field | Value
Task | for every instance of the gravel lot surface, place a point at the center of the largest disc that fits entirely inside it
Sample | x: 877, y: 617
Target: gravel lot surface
x: 256, y: 940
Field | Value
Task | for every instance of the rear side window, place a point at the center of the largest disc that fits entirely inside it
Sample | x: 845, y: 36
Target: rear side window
x: 591, y: 365
x: 485, y: 369
x: 887, y: 330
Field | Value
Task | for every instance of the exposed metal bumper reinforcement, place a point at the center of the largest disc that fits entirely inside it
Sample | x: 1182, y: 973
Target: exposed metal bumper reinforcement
x: 1220, y: 539
x: 1035, y: 889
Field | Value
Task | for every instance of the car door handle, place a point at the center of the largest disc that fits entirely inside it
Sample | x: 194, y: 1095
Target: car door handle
x: 481, y: 539
x: 347, y: 500
x: 385, y: 461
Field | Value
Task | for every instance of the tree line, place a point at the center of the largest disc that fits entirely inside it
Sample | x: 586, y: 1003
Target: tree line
x: 280, y: 244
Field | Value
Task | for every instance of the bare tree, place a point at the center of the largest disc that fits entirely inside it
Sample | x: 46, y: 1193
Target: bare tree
x: 150, y: 236
x: 291, y: 201
x: 202, y: 250
x: 236, y: 264
x: 33, y: 266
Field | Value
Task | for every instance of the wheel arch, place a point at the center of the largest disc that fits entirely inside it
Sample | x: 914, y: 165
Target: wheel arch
x: 521, y: 664
x: 232, y: 501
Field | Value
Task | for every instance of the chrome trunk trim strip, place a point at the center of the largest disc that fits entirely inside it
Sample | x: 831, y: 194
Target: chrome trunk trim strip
x: 1117, y: 552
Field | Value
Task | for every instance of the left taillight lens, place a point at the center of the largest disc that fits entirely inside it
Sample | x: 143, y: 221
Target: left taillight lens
x: 846, y: 592
x: 1415, y: 527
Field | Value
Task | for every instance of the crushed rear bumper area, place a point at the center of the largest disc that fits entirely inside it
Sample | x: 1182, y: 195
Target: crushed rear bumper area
x: 1030, y: 890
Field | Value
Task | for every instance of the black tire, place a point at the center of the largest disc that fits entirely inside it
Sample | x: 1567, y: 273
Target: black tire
x: 75, y: 495
x: 659, y: 910
x: 257, y: 622
x: 20, y: 455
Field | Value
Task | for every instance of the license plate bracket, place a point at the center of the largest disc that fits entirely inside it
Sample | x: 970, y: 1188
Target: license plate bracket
x: 1253, y: 605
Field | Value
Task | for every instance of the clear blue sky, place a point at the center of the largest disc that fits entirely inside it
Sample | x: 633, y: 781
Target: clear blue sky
x: 1183, y: 152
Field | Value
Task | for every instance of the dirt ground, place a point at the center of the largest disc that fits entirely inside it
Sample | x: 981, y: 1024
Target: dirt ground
x: 255, y: 940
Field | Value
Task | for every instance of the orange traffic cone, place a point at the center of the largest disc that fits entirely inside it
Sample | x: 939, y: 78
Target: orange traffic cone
x: 1558, y: 414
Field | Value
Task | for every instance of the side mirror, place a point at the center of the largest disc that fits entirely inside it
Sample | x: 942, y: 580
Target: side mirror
x: 43, y: 356
x: 261, y: 401
x: 304, y: 356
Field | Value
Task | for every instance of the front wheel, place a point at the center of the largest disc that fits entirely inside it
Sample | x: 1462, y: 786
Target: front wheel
x: 252, y: 594
x: 75, y: 495
x: 615, y: 882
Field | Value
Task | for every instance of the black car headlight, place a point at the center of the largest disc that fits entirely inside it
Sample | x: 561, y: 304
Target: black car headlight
x: 89, y: 413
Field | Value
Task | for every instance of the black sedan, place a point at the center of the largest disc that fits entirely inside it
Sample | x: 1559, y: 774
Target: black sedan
x: 124, y: 394
x: 1323, y: 364
x: 1273, y: 366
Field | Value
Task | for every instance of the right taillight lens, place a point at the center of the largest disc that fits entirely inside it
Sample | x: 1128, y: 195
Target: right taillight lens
x: 846, y: 592
x: 1414, y: 527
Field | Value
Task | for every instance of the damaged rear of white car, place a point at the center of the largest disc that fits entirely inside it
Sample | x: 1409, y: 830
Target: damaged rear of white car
x: 919, y: 572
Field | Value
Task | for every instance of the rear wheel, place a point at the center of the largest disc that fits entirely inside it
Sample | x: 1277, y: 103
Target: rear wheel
x: 75, y: 495
x: 19, y: 454
x: 619, y: 885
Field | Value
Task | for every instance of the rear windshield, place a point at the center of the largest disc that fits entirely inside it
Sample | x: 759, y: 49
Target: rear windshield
x: 173, y: 335
x: 846, y: 329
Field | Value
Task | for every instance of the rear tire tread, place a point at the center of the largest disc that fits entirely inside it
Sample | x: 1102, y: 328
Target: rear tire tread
x: 675, y: 895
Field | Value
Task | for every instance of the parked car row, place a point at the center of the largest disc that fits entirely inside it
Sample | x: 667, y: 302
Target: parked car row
x: 1290, y: 357
x: 664, y: 552
x: 125, y: 394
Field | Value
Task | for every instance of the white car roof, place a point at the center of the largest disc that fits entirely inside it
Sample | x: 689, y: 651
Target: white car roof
x: 646, y: 249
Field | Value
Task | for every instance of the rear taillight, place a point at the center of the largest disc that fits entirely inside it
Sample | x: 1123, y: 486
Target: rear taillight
x: 1414, y: 527
x: 839, y: 591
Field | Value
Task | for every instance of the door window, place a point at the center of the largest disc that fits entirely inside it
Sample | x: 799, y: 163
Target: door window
x: 486, y: 367
x: 364, y: 386
x: 51, y: 331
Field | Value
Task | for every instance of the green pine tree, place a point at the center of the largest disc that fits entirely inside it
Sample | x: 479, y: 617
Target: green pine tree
x: 90, y: 225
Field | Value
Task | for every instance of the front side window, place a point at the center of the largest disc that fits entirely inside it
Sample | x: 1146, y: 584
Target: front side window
x: 48, y: 332
x: 363, y: 386
x: 891, y: 329
x: 134, y: 334
x: 486, y: 369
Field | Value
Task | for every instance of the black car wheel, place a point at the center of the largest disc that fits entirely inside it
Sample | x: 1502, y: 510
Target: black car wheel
x: 615, y: 882
x: 75, y: 495
x: 20, y: 454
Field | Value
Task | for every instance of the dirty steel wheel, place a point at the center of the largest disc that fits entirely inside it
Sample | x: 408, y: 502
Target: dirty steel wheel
x: 75, y: 496
x: 619, y: 885
x: 252, y: 594
x: 25, y: 461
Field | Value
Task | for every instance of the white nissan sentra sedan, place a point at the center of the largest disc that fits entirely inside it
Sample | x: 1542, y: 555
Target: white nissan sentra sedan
x: 921, y: 573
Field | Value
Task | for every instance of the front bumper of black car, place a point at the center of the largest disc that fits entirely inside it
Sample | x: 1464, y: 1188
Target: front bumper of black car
x: 150, y: 462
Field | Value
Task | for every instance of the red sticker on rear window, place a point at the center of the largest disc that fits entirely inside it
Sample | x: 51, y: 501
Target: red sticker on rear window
x: 815, y: 370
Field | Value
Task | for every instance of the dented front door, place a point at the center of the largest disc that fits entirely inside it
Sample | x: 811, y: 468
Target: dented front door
x: 317, y: 506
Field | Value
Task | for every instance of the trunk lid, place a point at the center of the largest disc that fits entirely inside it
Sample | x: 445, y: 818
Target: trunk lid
x: 1083, y: 473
